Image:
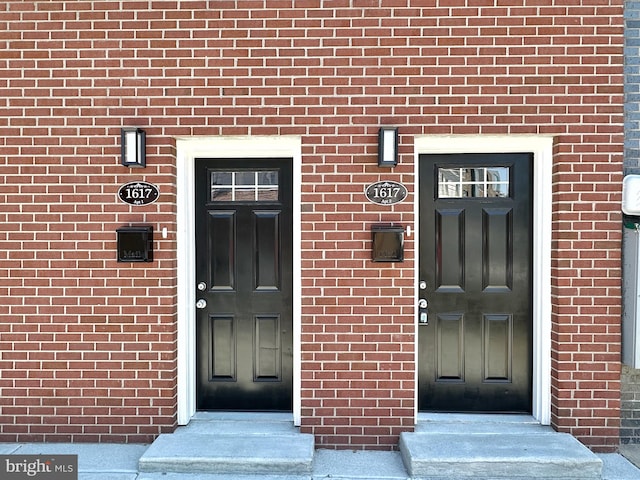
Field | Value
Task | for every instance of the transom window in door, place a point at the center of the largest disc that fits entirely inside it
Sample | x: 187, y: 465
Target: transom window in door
x: 244, y: 186
x: 468, y: 182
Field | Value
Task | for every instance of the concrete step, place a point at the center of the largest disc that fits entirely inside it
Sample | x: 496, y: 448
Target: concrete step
x: 249, y: 445
x: 490, y: 450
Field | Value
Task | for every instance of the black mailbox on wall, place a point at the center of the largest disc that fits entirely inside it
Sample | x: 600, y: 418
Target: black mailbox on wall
x: 135, y: 243
x: 388, y: 243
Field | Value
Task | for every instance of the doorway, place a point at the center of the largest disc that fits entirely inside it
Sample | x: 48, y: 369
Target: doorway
x: 244, y: 319
x: 475, y: 347
x: 188, y: 150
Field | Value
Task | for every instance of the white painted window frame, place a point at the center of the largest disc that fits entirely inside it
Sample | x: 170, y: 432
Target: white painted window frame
x: 187, y: 150
x: 542, y: 148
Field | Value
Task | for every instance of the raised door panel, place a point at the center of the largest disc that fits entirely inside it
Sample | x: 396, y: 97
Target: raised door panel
x: 497, y: 347
x: 268, y: 352
x: 450, y: 347
x: 450, y: 250
x: 223, y: 348
x: 497, y: 250
x: 221, y: 228
x: 267, y: 265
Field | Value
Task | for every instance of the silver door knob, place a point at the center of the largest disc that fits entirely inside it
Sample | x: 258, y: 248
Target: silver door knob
x: 422, y: 303
x: 201, y: 303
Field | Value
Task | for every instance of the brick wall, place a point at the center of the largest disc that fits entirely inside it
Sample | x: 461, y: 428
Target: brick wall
x: 88, y: 345
x: 630, y: 411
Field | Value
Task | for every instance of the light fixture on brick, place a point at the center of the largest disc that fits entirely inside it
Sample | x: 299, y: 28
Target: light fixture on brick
x: 132, y: 142
x: 387, y: 147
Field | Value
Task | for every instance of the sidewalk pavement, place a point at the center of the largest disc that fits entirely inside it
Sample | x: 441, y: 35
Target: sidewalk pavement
x: 120, y: 462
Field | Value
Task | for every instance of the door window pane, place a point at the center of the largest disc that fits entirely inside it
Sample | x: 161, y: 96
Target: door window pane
x: 244, y: 186
x: 473, y: 182
x: 244, y: 195
x: 221, y: 178
x: 268, y: 194
x: 268, y: 178
x: 221, y: 194
x: 245, y: 178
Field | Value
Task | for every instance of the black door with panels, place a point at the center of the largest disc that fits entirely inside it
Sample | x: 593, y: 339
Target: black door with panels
x: 244, y: 318
x: 475, y: 284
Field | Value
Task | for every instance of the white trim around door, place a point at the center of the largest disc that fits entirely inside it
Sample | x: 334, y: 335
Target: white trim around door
x: 542, y: 148
x: 188, y: 149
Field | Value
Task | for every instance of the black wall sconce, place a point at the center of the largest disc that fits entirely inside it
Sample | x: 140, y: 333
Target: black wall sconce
x: 387, y: 147
x: 132, y: 143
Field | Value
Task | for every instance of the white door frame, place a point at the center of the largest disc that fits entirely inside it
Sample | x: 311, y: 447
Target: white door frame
x: 542, y: 148
x: 187, y: 150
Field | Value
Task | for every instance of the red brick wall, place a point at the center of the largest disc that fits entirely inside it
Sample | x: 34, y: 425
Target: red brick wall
x: 88, y: 345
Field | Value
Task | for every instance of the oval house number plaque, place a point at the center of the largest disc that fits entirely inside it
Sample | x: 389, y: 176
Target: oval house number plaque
x: 386, y: 192
x: 138, y: 193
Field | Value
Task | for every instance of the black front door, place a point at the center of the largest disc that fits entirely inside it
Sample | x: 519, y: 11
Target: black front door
x: 243, y: 284
x: 475, y: 332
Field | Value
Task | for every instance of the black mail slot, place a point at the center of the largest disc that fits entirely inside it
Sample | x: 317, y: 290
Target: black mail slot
x: 135, y: 244
x: 388, y: 243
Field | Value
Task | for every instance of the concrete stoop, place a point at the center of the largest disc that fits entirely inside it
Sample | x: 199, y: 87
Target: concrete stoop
x: 443, y: 447
x: 485, y: 447
x: 232, y: 444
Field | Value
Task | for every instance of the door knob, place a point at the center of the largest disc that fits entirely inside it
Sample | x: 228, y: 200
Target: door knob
x: 201, y: 303
x: 422, y: 303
